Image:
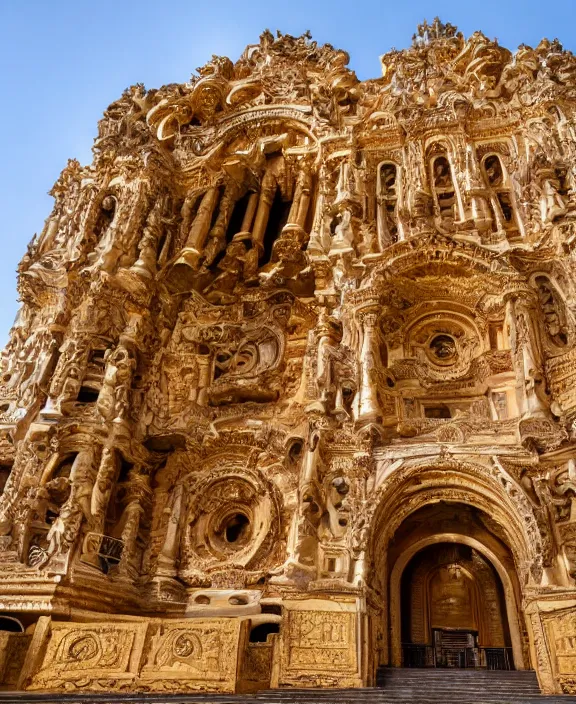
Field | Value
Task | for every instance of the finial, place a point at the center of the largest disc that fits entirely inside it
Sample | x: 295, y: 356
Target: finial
x: 430, y: 32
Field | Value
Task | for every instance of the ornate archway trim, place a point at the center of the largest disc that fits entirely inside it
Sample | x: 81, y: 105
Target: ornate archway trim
x: 509, y: 596
x: 470, y: 483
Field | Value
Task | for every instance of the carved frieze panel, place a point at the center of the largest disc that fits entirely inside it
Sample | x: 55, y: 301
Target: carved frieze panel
x: 192, y: 655
x: 90, y: 657
x: 319, y: 646
x: 560, y: 628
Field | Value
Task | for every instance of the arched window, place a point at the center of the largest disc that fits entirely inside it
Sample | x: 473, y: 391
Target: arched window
x: 501, y: 204
x: 387, y: 199
x: 444, y: 191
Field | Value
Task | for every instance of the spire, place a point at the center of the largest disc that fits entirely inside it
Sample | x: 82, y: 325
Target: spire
x: 429, y: 32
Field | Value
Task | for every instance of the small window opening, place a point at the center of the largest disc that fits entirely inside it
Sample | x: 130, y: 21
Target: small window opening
x: 125, y: 468
x: 506, y: 206
x: 5, y: 471
x: 331, y: 564
x: 105, y: 216
x: 87, y: 395
x: 278, y: 217
x: 561, y: 177
x: 64, y: 468
x: 440, y: 411
x: 496, y: 334
x: 236, y: 528
x: 11, y: 624
x: 260, y: 633
x: 389, y: 195
x: 237, y: 217
x: 295, y: 451
x: 444, y: 188
x: 494, y: 172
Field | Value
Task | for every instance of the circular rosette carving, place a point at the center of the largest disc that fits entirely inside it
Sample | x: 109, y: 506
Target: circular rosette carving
x: 82, y: 648
x: 184, y: 645
x: 445, y: 344
x: 178, y: 645
x: 232, y: 519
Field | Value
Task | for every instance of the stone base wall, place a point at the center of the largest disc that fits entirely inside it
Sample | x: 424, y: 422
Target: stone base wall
x: 320, y: 644
x: 552, y: 627
x: 192, y: 655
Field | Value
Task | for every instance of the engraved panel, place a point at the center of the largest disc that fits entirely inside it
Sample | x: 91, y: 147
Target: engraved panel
x: 192, y: 655
x: 94, y: 656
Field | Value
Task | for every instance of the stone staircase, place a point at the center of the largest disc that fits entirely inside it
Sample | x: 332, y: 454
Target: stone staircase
x: 395, y: 686
x: 456, y: 685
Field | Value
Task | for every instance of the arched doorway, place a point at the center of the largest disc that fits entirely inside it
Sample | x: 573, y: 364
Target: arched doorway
x: 416, y: 503
x: 452, y: 610
x: 453, y: 592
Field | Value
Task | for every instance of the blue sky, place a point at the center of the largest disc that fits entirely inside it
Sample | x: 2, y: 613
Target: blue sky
x: 63, y: 61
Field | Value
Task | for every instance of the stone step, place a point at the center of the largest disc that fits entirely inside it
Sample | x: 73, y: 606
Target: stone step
x: 411, y: 695
x: 396, y: 686
x: 329, y: 693
x: 454, y: 672
x: 358, y: 696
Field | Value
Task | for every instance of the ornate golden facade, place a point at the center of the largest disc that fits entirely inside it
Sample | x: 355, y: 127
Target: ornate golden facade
x: 292, y: 391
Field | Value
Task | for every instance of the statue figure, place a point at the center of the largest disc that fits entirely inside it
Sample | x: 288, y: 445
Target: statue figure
x: 334, y: 374
x: 335, y: 519
x: 343, y: 239
x: 67, y: 378
x: 552, y: 204
x: 113, y: 399
x: 554, y: 323
x: 76, y: 509
x: 567, y: 486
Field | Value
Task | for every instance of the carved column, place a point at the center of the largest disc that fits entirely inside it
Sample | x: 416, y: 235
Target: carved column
x: 138, y: 489
x: 200, y: 226
x: 146, y: 264
x: 477, y: 193
x: 267, y: 193
x: 301, y: 201
x: 132, y: 514
x: 103, y: 485
x: 248, y: 218
x: 166, y: 565
x: 204, y: 377
x: 319, y: 242
x: 368, y: 408
x: 418, y: 198
x: 531, y: 383
x: 217, y: 237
